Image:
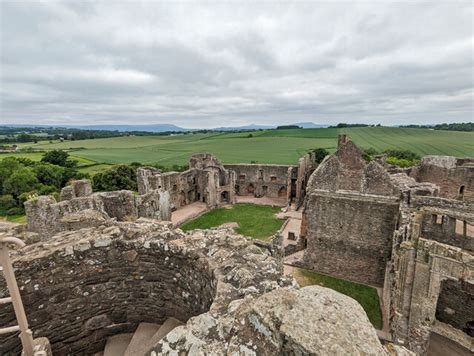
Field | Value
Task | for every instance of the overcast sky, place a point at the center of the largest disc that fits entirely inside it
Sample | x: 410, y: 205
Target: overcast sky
x: 207, y: 64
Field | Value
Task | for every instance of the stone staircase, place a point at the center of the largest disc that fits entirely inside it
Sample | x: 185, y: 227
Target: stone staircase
x: 141, y: 341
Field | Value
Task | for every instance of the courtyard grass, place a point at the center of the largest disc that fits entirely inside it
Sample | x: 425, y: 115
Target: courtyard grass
x: 256, y: 221
x: 365, y: 295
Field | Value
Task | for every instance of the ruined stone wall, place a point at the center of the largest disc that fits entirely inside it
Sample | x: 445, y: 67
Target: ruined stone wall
x: 456, y: 305
x: 350, y: 213
x: 78, y: 294
x: 435, y: 263
x: 447, y: 229
x: 347, y: 170
x: 261, y: 180
x: 98, y: 282
x: 206, y: 181
x: 349, y: 235
x: 46, y: 216
x: 306, y: 166
x: 76, y: 189
x: 424, y: 259
x: 454, y: 176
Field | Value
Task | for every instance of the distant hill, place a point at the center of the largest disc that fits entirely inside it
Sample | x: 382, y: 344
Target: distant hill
x: 163, y: 127
x: 304, y: 125
x: 309, y: 125
x: 245, y: 127
x: 120, y: 128
x: 142, y: 128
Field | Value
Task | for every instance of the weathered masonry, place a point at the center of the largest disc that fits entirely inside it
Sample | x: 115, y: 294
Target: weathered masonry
x: 431, y: 281
x: 263, y: 180
x: 412, y: 234
x: 454, y: 176
x: 80, y: 208
x: 81, y: 287
x: 210, y: 182
x: 350, y: 214
x: 206, y: 181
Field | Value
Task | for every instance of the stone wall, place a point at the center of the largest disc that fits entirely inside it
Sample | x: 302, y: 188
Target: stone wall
x: 77, y: 294
x: 261, y: 180
x: 447, y: 229
x: 206, y: 181
x: 349, y: 216
x: 349, y: 235
x: 46, y: 216
x: 93, y: 283
x: 456, y: 305
x: 306, y: 166
x: 454, y: 176
x: 428, y: 266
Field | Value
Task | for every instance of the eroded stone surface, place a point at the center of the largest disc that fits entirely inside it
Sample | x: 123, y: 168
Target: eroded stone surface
x: 311, y: 320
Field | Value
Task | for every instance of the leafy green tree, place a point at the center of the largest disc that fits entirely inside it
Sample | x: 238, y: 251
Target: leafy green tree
x: 320, y: 154
x: 6, y: 202
x: 7, y: 167
x: 58, y: 157
x: 20, y: 181
x: 50, y: 174
x: 116, y: 178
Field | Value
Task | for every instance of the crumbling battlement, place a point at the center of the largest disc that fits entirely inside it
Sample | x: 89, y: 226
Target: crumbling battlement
x: 206, y: 181
x: 46, y: 216
x: 84, y: 286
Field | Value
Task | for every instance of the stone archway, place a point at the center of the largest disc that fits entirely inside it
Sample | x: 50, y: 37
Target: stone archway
x: 225, y: 197
x: 251, y: 189
x: 282, y: 192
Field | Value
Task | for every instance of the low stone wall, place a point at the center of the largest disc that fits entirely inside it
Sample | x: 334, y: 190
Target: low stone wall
x: 45, y: 216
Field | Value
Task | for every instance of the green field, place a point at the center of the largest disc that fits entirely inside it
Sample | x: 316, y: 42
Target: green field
x: 270, y: 146
x: 256, y: 221
x: 365, y: 295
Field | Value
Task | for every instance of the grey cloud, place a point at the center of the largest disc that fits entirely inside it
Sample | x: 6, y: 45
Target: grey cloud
x: 200, y: 64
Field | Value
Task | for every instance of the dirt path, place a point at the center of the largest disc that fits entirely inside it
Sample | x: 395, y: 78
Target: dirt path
x: 187, y: 213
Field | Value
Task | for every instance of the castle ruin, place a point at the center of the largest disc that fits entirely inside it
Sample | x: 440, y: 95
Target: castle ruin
x: 105, y: 264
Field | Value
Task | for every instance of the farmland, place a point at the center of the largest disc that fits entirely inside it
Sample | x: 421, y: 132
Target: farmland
x: 269, y: 146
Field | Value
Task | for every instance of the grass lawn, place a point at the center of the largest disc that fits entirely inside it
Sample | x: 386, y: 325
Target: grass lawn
x: 365, y: 295
x: 20, y: 219
x: 256, y: 221
x: 94, y: 168
x: 36, y: 156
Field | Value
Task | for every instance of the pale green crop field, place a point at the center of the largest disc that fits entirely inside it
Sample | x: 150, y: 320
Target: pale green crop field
x: 269, y: 146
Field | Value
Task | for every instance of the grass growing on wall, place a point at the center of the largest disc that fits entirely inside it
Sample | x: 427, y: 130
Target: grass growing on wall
x: 365, y: 295
x: 257, y: 221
